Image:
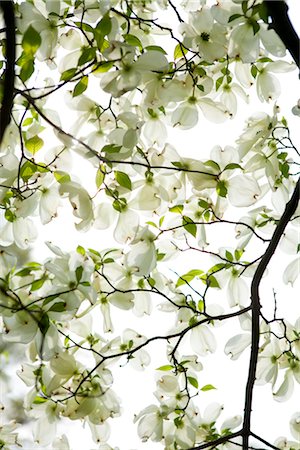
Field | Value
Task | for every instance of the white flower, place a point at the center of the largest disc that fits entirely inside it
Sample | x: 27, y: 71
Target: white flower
x: 243, y: 43
x: 203, y: 34
x: 243, y: 190
x: 268, y: 87
x: 7, y: 437
x: 203, y: 340
x: 150, y: 424
x: 237, y: 344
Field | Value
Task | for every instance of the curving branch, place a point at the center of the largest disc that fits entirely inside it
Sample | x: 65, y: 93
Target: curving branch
x: 278, y: 11
x: 9, y: 73
x: 290, y: 209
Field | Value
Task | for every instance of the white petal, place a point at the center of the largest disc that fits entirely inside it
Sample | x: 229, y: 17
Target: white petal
x: 237, y: 344
x: 202, y: 340
x: 243, y: 190
x: 213, y: 111
x: 291, y: 272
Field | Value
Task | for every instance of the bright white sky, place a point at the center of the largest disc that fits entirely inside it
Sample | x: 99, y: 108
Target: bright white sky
x: 135, y: 388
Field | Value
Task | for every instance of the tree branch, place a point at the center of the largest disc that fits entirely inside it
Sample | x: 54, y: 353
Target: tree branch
x: 279, y: 230
x: 9, y: 73
x: 278, y: 11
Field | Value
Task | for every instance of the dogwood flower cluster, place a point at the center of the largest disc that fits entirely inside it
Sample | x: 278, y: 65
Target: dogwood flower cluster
x: 91, y: 137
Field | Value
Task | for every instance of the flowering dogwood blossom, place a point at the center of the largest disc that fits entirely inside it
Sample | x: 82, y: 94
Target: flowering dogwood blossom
x: 100, y: 100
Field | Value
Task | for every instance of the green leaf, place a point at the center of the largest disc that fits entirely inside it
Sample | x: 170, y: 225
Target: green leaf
x: 24, y: 272
x: 165, y: 368
x: 263, y: 12
x: 234, y: 17
x: 62, y: 177
x: 188, y: 277
x: 132, y: 40
x: 27, y: 122
x: 176, y: 209
x: 87, y: 54
x: 200, y: 87
x: 84, y: 26
x: 221, y: 188
x: 105, y: 25
x: 255, y: 27
x: 27, y: 170
x: 213, y: 164
x: 156, y: 48
x: 193, y: 381
x: 254, y: 71
x: 103, y: 66
x: 58, y: 307
x: 49, y: 299
x: 111, y: 148
x: 219, y: 82
x: 38, y: 400
x: 203, y: 204
x: 31, y: 41
x: 211, y: 281
x: 232, y: 166
x: 37, y: 284
x: 44, y: 324
x: 9, y: 215
x: 238, y: 253
x: 34, y: 144
x: 179, y: 51
x: 160, y: 256
x: 27, y: 70
x: 284, y: 169
x: 189, y: 225
x: 81, y: 86
x: 207, y: 387
x: 265, y: 59
x: 68, y: 74
x: 245, y: 6
x: 78, y: 273
x: 229, y: 256
x: 80, y: 250
x: 123, y: 179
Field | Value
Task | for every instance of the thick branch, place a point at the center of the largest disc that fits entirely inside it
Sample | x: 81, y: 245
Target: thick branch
x: 279, y: 230
x: 278, y: 11
x: 9, y: 73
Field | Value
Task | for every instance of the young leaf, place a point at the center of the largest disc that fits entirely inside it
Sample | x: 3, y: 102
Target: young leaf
x: 188, y: 277
x: 176, y: 209
x: 193, y: 381
x: 221, y: 188
x: 37, y: 284
x: 234, y: 17
x: 62, y: 177
x: 165, y: 368
x: 133, y: 41
x: 207, y: 387
x: 27, y: 170
x: 68, y: 74
x: 81, y: 86
x: 123, y: 179
x: 78, y: 273
x: 189, y: 225
x: 31, y: 41
x: 179, y: 51
x: 44, y: 324
x: 34, y: 144
x: 58, y: 307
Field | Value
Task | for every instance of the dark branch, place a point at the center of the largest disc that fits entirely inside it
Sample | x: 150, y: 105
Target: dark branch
x: 9, y: 73
x: 278, y: 11
x: 279, y: 230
